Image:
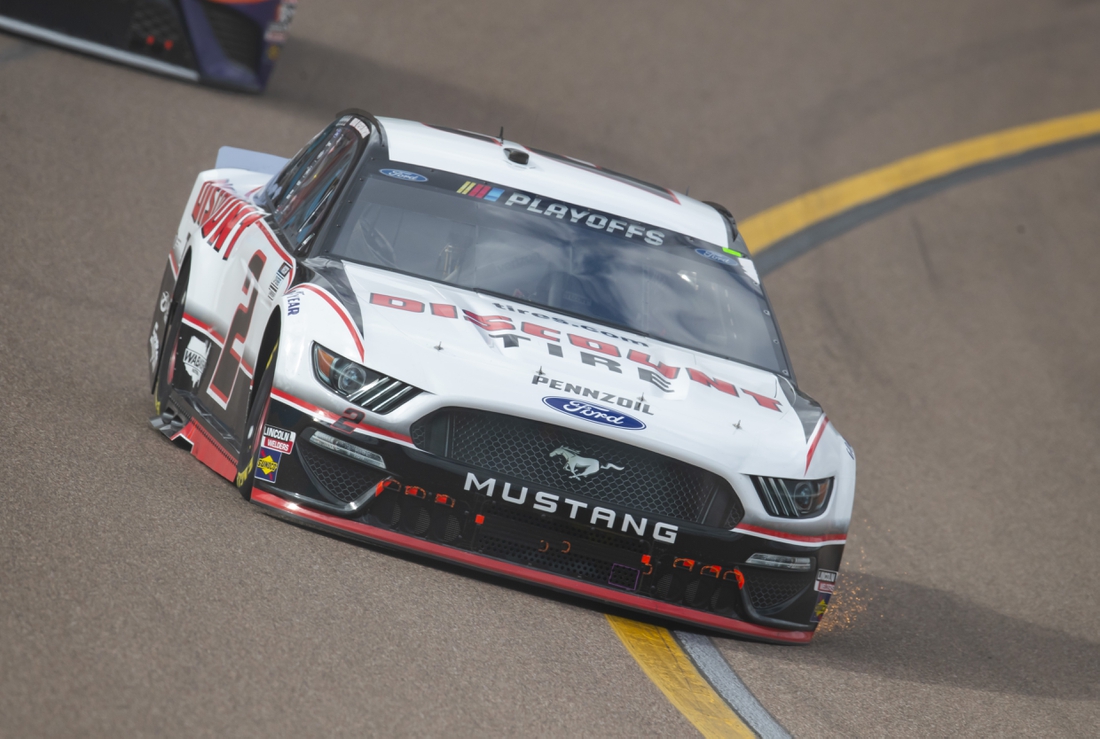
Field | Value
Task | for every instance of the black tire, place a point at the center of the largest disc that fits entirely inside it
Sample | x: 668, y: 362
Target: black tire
x: 257, y: 415
x: 166, y: 362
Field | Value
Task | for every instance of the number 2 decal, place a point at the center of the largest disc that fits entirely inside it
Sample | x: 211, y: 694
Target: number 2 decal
x: 225, y: 374
x: 352, y: 417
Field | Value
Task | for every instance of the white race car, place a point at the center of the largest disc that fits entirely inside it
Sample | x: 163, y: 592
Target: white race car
x: 452, y: 344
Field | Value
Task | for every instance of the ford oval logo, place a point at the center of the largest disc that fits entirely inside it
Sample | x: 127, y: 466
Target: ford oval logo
x: 594, y: 413
x: 401, y: 174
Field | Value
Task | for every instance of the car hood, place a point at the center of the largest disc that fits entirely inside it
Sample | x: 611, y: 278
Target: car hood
x: 469, y: 349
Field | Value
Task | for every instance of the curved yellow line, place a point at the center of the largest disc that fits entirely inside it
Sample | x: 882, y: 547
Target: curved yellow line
x: 671, y: 670
x: 653, y: 647
x: 776, y: 223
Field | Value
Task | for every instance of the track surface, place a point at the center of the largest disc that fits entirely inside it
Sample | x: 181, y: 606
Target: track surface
x: 953, y: 341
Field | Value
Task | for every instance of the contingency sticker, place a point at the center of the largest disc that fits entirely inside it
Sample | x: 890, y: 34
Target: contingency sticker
x: 267, y: 466
x: 277, y: 439
x: 821, y: 607
x: 194, y: 358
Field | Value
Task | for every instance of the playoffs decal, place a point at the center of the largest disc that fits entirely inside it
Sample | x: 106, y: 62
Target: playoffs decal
x: 596, y: 221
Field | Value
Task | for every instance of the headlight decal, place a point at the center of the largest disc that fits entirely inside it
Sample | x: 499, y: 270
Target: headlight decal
x: 793, y: 498
x: 366, y: 388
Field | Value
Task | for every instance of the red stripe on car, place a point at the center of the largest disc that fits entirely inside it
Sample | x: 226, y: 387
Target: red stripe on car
x: 206, y: 328
x: 798, y: 538
x: 340, y: 310
x: 817, y: 437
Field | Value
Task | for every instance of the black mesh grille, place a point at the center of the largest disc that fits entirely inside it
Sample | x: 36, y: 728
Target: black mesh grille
x: 156, y: 30
x: 767, y: 590
x: 585, y: 568
x: 606, y: 538
x: 419, y: 434
x: 522, y: 449
x: 343, y: 479
x: 240, y: 38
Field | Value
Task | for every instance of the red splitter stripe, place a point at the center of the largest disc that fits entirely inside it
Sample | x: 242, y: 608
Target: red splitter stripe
x: 540, y: 577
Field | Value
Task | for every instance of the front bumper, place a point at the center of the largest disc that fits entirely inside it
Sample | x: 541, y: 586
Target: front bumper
x: 421, y: 503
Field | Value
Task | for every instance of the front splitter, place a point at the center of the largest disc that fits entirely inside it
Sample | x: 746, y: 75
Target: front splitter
x: 352, y: 529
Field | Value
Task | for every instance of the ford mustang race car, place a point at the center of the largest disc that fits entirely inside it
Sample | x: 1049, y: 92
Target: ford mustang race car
x: 227, y: 43
x: 451, y: 344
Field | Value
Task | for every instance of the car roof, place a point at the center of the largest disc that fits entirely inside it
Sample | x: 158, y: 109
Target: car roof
x: 483, y: 157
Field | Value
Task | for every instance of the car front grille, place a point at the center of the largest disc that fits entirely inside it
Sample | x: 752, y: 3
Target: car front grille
x: 608, y: 471
x: 156, y: 30
x: 240, y: 38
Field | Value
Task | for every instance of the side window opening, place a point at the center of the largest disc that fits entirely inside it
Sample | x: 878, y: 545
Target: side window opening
x: 274, y: 191
x: 303, y: 193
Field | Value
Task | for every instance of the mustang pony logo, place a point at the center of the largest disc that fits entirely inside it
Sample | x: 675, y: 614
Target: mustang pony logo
x: 578, y: 466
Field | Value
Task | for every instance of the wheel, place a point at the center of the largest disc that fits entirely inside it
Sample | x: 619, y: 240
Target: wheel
x: 257, y: 415
x: 166, y: 364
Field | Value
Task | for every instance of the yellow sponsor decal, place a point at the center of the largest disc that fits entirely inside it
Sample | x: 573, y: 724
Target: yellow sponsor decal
x: 242, y: 476
x: 267, y: 465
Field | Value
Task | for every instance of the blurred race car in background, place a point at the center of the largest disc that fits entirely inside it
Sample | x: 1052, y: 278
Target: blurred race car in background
x: 508, y: 359
x: 225, y: 43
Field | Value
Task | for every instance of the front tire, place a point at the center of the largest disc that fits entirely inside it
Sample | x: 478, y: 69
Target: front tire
x: 166, y: 363
x: 257, y: 415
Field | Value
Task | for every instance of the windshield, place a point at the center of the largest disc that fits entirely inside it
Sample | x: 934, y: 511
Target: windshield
x: 560, y: 256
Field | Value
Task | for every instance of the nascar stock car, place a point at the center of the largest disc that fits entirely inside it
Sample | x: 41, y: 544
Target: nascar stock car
x: 226, y: 43
x: 449, y: 343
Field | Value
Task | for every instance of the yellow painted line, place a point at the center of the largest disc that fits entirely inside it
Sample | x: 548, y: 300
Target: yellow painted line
x: 672, y: 671
x: 654, y: 648
x: 775, y: 224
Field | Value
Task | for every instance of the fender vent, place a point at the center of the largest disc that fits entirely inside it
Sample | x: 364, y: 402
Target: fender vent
x: 384, y: 395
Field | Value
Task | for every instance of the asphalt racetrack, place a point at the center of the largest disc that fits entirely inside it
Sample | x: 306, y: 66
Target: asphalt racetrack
x: 952, y: 340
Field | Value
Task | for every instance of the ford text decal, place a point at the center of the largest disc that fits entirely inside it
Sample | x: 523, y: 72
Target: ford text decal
x: 401, y: 174
x: 593, y: 413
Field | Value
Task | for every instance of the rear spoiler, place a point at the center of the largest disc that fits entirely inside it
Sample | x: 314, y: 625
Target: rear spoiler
x: 230, y: 157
